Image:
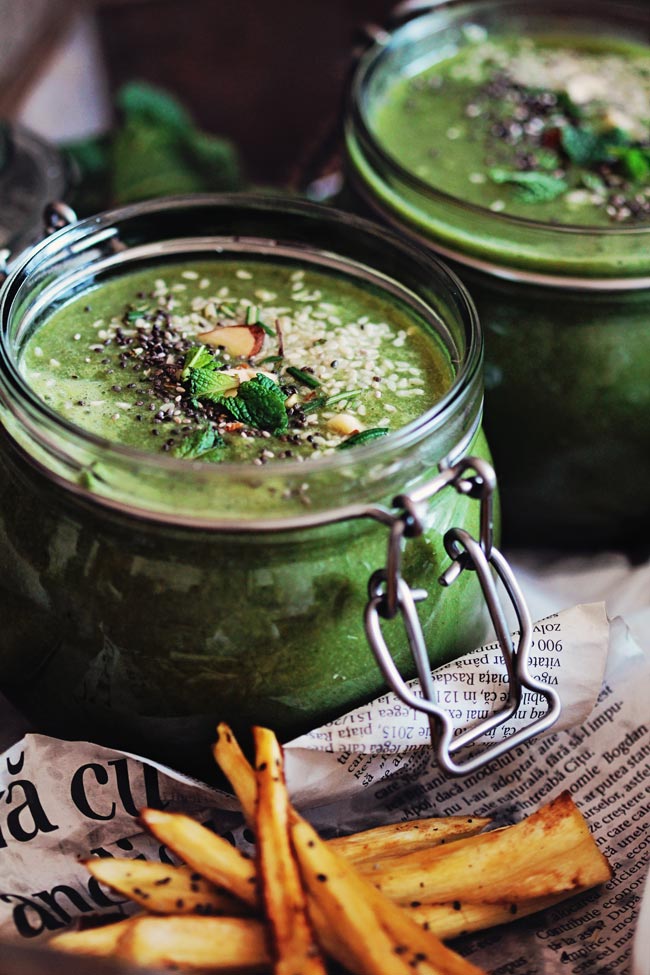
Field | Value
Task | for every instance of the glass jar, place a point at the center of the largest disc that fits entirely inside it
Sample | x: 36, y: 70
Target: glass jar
x: 564, y: 308
x: 32, y: 173
x: 145, y: 597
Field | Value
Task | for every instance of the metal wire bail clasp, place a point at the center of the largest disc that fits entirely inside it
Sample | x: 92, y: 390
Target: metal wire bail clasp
x: 389, y: 595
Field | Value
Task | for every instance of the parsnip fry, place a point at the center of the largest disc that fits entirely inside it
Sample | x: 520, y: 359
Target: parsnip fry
x: 220, y: 944
x: 550, y: 852
x: 163, y: 889
x: 449, y: 921
x: 285, y: 904
x: 399, y: 838
x: 100, y: 942
x: 210, y: 855
x: 237, y: 769
x: 379, y: 936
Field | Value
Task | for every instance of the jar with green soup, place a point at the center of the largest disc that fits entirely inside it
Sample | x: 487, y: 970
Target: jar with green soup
x: 212, y: 411
x: 514, y: 139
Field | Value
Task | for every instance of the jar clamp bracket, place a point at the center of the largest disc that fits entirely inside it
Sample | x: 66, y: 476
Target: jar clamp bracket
x: 390, y: 595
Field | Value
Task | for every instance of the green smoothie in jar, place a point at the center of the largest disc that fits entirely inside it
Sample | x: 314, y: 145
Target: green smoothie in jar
x: 516, y: 141
x: 208, y: 407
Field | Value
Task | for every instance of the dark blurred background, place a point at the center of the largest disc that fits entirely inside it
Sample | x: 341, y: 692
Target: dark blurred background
x: 269, y: 76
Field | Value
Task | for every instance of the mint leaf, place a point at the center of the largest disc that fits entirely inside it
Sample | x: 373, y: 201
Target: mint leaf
x: 208, y: 383
x: 634, y: 161
x: 583, y: 146
x: 586, y: 147
x: 198, y: 357
x: 260, y: 404
x: 566, y: 105
x: 203, y: 444
x: 534, y: 187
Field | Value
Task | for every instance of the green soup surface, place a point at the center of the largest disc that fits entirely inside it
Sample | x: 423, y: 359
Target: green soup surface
x: 547, y: 128
x: 237, y: 361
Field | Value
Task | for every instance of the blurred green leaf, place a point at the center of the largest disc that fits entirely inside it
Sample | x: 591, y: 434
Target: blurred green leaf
x: 154, y: 150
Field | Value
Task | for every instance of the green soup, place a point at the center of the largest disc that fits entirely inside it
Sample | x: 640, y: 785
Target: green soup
x: 545, y: 128
x: 237, y: 362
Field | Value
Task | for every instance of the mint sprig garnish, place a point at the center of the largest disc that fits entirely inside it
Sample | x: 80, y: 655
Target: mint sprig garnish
x: 259, y: 401
x: 534, y: 187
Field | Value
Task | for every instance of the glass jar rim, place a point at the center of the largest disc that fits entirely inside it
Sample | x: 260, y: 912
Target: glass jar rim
x: 45, y: 425
x: 422, y: 25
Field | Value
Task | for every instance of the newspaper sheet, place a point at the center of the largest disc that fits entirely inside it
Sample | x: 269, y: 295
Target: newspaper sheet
x: 62, y: 802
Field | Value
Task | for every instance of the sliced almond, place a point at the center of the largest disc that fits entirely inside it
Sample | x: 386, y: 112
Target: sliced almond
x: 345, y: 424
x: 242, y: 341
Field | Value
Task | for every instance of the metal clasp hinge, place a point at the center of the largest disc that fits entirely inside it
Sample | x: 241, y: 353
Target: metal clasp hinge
x: 389, y: 595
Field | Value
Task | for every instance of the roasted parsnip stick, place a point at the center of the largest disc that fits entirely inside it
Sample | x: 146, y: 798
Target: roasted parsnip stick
x: 219, y: 944
x: 285, y: 903
x: 449, y: 921
x: 210, y: 855
x: 550, y: 852
x: 399, y: 838
x: 163, y: 889
x: 237, y: 769
x: 100, y: 942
